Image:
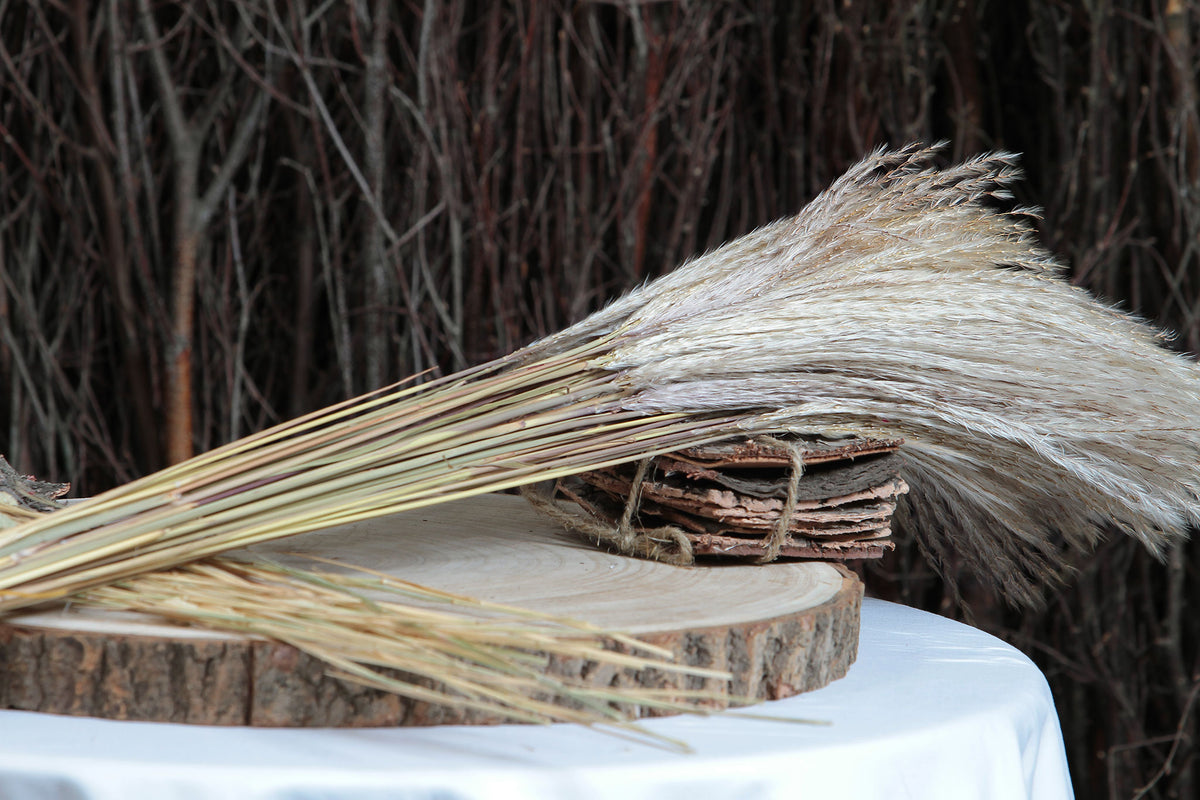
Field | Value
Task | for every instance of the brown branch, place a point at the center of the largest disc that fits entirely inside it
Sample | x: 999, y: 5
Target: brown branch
x: 193, y: 211
x: 375, y: 262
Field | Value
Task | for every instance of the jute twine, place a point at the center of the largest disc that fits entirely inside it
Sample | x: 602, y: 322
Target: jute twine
x: 779, y: 533
x: 667, y: 543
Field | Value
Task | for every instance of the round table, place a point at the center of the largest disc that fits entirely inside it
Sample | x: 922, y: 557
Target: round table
x: 931, y: 709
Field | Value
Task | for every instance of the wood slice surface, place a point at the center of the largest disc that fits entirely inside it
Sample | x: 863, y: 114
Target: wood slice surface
x: 780, y: 629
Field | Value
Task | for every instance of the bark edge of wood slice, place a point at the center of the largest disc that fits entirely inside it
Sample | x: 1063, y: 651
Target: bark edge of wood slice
x: 112, y: 666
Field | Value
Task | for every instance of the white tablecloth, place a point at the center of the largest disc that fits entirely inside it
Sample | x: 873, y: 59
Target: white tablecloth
x: 931, y: 709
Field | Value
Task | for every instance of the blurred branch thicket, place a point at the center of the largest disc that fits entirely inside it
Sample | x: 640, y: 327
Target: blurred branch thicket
x: 216, y: 215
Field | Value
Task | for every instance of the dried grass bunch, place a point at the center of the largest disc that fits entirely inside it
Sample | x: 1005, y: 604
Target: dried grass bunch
x: 901, y: 303
x: 378, y: 631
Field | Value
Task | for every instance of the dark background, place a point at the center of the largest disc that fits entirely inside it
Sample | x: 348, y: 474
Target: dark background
x: 217, y: 215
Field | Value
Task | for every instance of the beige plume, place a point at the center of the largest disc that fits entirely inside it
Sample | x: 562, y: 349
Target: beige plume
x: 901, y: 303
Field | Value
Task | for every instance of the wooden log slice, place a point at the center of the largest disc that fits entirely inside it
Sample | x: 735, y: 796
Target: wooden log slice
x: 780, y: 629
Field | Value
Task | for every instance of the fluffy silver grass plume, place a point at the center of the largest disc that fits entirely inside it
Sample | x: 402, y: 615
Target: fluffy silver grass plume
x: 901, y: 303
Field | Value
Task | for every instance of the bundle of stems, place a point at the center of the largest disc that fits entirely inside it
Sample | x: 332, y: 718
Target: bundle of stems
x: 901, y: 303
x: 448, y: 649
x: 520, y: 419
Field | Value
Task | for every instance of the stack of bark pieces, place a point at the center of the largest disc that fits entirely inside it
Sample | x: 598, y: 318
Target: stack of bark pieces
x: 728, y: 497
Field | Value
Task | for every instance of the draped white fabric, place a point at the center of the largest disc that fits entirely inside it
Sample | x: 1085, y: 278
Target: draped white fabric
x: 932, y: 709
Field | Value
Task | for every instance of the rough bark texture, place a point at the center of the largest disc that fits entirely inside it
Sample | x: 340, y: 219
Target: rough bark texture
x: 125, y: 677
